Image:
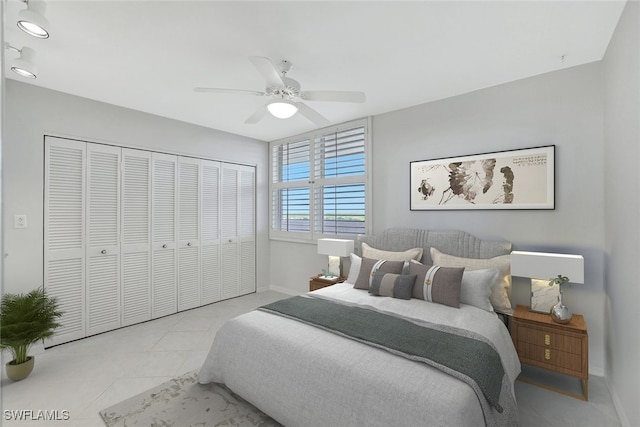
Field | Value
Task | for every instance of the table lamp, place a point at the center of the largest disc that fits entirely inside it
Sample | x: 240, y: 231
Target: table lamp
x: 545, y: 271
x: 334, y: 248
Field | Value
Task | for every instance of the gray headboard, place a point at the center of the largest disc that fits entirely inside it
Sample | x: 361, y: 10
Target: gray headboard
x: 452, y: 242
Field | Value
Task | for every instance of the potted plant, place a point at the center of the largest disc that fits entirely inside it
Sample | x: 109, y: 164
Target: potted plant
x: 560, y: 313
x: 24, y: 320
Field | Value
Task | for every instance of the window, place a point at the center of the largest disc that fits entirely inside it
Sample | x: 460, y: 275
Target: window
x: 319, y: 183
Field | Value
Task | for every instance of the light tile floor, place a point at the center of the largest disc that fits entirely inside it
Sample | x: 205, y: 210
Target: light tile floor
x: 86, y: 376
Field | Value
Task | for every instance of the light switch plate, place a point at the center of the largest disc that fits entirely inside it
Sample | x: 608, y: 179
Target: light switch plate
x: 19, y: 221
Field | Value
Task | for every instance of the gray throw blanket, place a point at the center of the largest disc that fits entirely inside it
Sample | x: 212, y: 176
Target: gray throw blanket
x: 474, y: 361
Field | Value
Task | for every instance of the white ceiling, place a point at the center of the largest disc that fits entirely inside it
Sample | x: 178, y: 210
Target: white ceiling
x: 149, y: 55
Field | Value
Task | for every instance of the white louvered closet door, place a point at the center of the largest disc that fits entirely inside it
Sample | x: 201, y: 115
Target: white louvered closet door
x: 188, y: 233
x: 64, y: 252
x: 136, y: 236
x: 103, y: 238
x: 210, y: 235
x: 246, y: 229
x: 163, y: 232
x: 229, y: 232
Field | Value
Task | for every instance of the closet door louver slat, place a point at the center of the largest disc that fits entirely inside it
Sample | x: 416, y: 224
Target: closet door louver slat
x: 210, y: 242
x: 136, y: 236
x: 164, y: 289
x: 188, y: 233
x: 103, y: 237
x: 64, y: 246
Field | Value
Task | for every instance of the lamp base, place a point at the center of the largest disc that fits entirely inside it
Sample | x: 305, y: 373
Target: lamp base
x: 333, y: 268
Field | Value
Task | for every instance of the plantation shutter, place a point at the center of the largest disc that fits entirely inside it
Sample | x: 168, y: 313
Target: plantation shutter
x: 339, y: 190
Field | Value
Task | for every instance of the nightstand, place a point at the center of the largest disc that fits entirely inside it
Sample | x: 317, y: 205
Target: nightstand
x: 318, y: 281
x: 562, y: 348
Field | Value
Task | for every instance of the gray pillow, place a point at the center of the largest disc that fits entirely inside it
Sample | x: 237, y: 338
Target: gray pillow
x: 368, y: 268
x: 437, y: 284
x: 392, y: 285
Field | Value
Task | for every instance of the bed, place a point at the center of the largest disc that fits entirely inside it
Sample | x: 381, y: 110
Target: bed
x: 306, y: 374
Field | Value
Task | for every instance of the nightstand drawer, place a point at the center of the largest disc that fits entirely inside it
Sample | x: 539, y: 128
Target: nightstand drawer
x: 549, y: 339
x: 549, y: 356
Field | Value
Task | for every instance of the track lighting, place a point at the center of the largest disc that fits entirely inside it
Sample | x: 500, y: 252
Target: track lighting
x: 32, y: 21
x: 24, y: 65
x: 282, y: 108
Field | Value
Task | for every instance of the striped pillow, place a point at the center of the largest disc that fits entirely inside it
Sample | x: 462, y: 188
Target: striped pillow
x: 368, y: 268
x: 437, y: 284
x: 392, y: 285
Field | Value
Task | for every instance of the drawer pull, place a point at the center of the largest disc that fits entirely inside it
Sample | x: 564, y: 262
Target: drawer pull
x: 547, y: 354
x: 547, y: 339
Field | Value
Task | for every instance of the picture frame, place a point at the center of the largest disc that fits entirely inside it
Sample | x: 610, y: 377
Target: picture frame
x: 515, y: 179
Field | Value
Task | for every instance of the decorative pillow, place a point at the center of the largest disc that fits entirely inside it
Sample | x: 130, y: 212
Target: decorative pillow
x: 354, y: 270
x: 476, y: 287
x: 408, y: 255
x: 368, y: 268
x: 392, y: 285
x: 437, y: 284
x: 502, y: 287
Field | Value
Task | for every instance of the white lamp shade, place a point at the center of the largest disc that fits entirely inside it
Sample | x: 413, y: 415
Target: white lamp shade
x: 542, y: 265
x: 336, y: 247
x: 282, y: 108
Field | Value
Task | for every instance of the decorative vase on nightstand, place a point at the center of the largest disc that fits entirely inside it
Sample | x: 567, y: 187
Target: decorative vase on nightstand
x: 560, y: 313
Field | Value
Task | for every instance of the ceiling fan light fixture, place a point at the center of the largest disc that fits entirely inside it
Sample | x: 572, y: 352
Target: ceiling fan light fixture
x: 282, y: 108
x: 24, y: 65
x: 32, y: 21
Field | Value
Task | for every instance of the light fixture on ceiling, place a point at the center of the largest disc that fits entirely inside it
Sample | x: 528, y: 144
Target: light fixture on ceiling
x: 24, y: 65
x: 32, y: 21
x: 282, y: 108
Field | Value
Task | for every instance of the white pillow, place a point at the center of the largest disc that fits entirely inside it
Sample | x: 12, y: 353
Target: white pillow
x: 476, y: 287
x: 354, y: 270
x: 502, y: 287
x: 408, y: 255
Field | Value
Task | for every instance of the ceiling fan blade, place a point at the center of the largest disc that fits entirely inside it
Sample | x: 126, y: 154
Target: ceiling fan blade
x: 333, y: 95
x: 257, y: 116
x: 268, y: 71
x: 234, y: 91
x: 312, y: 114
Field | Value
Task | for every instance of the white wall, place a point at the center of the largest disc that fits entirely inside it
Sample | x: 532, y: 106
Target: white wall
x: 32, y: 112
x: 622, y: 213
x: 564, y: 108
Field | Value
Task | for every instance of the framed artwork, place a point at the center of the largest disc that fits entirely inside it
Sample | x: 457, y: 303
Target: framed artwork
x: 516, y: 179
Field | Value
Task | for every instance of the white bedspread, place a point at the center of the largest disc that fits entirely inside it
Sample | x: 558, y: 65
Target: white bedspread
x: 304, y: 376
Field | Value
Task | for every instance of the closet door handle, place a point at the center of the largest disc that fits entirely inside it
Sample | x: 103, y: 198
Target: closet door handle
x: 164, y: 246
x: 103, y: 252
x: 189, y: 244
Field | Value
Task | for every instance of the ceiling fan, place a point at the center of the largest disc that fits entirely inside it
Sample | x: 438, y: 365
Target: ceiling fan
x: 286, y: 96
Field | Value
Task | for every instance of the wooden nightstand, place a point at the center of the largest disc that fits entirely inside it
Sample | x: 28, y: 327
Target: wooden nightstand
x: 542, y: 342
x: 317, y: 282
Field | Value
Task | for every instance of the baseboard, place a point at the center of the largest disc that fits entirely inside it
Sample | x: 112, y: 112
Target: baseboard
x: 284, y: 290
x: 624, y: 421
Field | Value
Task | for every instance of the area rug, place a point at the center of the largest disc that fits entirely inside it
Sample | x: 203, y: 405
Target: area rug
x: 182, y: 402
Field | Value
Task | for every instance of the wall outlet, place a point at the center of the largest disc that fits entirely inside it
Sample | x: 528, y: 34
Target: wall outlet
x: 19, y: 221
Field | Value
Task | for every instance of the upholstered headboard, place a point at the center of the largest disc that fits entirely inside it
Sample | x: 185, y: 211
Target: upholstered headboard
x: 452, y: 242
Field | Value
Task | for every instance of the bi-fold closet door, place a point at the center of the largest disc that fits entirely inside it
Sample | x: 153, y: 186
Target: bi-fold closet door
x: 132, y: 235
